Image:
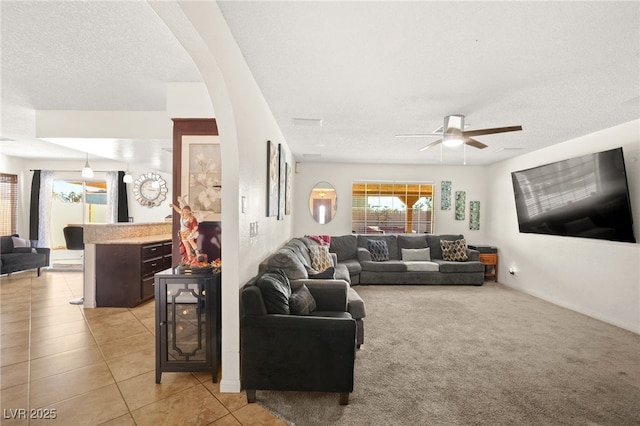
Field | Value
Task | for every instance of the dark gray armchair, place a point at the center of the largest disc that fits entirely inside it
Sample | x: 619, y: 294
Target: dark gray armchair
x: 293, y: 352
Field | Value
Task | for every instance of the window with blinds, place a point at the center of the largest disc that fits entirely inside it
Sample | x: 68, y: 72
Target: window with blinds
x: 392, y: 207
x: 8, y: 203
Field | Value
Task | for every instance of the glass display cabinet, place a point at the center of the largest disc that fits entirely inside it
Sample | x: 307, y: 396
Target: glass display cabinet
x: 187, y: 322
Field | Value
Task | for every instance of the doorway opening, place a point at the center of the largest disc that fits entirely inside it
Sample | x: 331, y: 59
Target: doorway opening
x: 74, y: 203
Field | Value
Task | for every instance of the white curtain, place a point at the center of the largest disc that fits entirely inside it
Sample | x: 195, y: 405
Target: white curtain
x: 112, y: 196
x: 44, y: 216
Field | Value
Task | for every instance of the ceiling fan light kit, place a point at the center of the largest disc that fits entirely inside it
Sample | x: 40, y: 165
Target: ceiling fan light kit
x: 454, y: 135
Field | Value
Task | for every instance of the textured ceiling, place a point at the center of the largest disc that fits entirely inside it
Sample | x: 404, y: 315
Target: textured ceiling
x: 369, y: 70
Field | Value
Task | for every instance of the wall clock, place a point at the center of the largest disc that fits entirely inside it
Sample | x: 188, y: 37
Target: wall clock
x: 150, y: 189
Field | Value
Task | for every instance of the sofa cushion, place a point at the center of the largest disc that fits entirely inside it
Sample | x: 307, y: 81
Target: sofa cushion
x: 301, y: 250
x: 433, y: 241
x: 344, y: 246
x: 321, y: 260
x: 421, y: 266
x: 379, y: 250
x: 288, y: 261
x: 276, y: 291
x: 388, y: 266
x: 327, y: 274
x: 301, y: 301
x: 455, y: 251
x: 411, y: 241
x: 6, y: 244
x: 352, y: 265
x: 460, y: 267
x: 423, y: 254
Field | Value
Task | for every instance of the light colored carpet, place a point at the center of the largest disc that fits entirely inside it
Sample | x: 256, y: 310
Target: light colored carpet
x: 463, y: 355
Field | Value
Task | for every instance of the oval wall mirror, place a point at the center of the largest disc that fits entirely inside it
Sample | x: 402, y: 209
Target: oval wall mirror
x: 323, y: 202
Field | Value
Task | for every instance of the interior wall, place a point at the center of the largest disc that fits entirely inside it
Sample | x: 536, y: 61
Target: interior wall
x: 245, y: 124
x: 470, y: 179
x: 598, y: 278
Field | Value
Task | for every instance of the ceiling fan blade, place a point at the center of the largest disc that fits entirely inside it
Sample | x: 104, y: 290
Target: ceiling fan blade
x: 432, y: 144
x: 418, y: 135
x: 491, y: 131
x: 474, y: 143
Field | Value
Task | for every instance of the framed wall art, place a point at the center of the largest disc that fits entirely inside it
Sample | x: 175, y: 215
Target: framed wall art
x: 474, y: 215
x: 201, y: 176
x: 273, y: 179
x: 287, y: 193
x: 445, y: 195
x: 282, y: 180
x: 460, y: 204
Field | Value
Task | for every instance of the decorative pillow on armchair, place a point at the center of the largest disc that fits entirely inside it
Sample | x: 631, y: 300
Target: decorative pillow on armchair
x: 378, y: 249
x: 320, y: 258
x: 455, y: 251
x: 302, y: 302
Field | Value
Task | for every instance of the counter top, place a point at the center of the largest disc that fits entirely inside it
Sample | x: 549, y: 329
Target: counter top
x: 126, y: 233
x: 138, y: 240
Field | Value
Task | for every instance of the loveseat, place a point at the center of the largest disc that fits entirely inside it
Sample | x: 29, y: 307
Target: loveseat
x: 409, y: 259
x: 297, y: 259
x: 18, y: 254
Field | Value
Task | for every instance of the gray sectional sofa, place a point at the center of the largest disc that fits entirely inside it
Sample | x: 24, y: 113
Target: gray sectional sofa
x: 353, y: 252
x: 354, y: 263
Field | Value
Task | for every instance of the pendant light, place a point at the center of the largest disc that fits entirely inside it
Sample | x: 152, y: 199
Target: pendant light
x: 87, y: 172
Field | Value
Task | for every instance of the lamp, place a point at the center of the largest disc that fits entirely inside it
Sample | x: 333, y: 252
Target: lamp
x: 451, y: 140
x: 87, y: 172
x: 127, y: 178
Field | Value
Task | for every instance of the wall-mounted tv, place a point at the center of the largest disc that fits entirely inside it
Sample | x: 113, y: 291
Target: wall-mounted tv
x: 583, y: 197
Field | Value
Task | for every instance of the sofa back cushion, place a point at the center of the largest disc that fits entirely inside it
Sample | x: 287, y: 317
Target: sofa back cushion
x: 276, y: 291
x: 6, y: 244
x: 434, y: 243
x: 345, y: 247
x: 411, y: 241
x: 391, y: 240
x: 288, y: 261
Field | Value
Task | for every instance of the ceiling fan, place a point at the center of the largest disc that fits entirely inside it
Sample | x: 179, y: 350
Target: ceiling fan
x: 453, y: 134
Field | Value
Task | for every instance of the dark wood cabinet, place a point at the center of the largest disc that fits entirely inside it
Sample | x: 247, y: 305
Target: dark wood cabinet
x: 124, y: 272
x: 187, y: 322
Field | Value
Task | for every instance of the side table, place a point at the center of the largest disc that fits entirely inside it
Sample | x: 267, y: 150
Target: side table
x: 187, y: 322
x: 489, y: 257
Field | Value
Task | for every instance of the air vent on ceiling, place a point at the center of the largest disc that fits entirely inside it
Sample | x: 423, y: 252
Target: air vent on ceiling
x: 510, y: 149
x: 315, y: 122
x: 312, y: 155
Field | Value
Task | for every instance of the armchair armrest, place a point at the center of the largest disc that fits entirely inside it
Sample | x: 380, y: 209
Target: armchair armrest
x: 363, y: 254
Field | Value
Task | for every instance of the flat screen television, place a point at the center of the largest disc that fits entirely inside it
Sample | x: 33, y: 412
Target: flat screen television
x: 584, y: 197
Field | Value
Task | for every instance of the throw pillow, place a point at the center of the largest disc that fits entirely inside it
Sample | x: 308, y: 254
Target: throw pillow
x: 320, y: 258
x: 423, y: 254
x: 20, y: 242
x: 302, y: 302
x: 276, y: 290
x: 455, y: 251
x: 378, y: 249
x: 327, y: 274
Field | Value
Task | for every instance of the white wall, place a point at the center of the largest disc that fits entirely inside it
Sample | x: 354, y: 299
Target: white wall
x: 245, y: 123
x: 598, y: 278
x: 470, y: 179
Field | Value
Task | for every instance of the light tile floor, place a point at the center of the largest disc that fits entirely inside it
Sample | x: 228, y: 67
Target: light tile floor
x: 96, y: 366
